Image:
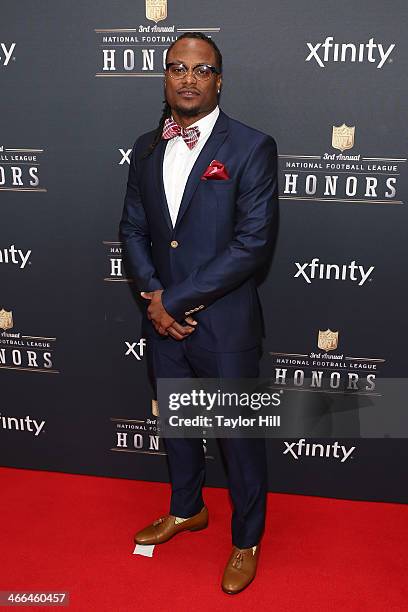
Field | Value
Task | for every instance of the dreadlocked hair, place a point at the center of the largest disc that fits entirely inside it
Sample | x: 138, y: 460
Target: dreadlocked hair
x: 166, y: 109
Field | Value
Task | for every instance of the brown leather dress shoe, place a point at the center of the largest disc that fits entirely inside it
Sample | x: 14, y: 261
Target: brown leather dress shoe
x: 240, y: 569
x: 166, y: 527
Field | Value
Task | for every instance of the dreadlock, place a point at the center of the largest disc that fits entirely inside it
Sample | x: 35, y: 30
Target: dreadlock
x: 166, y: 109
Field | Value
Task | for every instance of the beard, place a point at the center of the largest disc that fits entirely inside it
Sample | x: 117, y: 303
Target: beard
x: 193, y: 111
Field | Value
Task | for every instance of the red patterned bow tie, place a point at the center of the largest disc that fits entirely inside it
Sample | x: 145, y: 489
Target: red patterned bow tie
x: 189, y: 135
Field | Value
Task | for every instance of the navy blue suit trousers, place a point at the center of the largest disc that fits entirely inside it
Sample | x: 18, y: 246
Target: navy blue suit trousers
x: 245, y: 457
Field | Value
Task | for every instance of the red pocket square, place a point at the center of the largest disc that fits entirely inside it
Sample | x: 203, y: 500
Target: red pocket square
x: 216, y: 171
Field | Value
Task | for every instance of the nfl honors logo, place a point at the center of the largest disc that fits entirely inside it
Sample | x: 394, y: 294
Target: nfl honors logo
x: 343, y: 137
x: 156, y: 10
x: 6, y: 319
x: 327, y: 340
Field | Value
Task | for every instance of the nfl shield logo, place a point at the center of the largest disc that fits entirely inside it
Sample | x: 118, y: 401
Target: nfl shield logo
x: 327, y: 340
x: 343, y: 137
x: 156, y: 10
x: 6, y: 319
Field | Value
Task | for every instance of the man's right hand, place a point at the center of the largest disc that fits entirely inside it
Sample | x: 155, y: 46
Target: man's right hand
x: 175, y: 330
x: 179, y: 332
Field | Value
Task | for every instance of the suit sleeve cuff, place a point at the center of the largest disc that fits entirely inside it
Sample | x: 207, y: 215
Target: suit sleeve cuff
x: 179, y: 300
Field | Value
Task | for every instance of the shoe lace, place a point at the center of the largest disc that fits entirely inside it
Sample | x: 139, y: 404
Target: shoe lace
x: 238, y: 560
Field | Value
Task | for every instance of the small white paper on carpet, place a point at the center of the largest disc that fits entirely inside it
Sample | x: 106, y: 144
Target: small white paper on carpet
x: 144, y: 550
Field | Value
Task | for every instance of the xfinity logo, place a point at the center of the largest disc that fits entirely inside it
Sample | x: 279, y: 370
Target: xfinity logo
x: 131, y: 350
x: 125, y: 156
x: 22, y: 424
x: 11, y: 255
x: 329, y: 51
x: 6, y: 53
x: 301, y: 448
x: 314, y: 269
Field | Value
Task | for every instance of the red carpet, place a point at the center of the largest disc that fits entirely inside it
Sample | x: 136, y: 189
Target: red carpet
x: 75, y: 533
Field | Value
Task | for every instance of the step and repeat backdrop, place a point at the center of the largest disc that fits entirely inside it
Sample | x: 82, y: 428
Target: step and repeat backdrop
x: 79, y: 83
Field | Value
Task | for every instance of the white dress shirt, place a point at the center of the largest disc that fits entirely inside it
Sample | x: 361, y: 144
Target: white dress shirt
x: 179, y: 160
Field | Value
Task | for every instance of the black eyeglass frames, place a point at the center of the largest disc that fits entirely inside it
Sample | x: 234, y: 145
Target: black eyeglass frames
x: 203, y: 72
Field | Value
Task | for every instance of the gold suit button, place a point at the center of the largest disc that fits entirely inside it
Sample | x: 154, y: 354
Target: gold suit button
x: 174, y: 244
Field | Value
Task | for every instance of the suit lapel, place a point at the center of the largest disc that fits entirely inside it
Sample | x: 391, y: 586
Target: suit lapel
x: 216, y: 138
x: 158, y: 169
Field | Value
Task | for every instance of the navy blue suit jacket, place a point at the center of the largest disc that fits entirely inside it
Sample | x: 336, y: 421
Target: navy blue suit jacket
x: 223, y: 234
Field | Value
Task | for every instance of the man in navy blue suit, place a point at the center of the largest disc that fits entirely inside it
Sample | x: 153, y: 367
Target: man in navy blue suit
x: 199, y: 219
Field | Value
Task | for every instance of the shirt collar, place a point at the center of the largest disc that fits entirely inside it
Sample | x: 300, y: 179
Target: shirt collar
x: 206, y: 124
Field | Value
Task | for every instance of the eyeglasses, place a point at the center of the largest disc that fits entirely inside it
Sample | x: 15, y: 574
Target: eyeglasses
x: 202, y: 72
